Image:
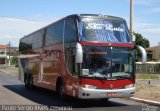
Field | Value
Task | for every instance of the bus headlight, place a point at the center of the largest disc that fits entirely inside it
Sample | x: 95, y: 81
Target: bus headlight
x: 89, y: 86
x: 129, y: 86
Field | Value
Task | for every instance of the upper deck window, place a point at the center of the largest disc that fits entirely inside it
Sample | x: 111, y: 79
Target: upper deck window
x: 104, y: 30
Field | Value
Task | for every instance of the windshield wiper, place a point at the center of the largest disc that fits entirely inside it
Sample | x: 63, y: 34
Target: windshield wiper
x: 105, y: 76
x: 99, y: 77
x: 122, y: 77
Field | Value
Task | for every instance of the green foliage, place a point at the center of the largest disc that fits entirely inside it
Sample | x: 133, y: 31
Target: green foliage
x: 14, y: 60
x: 141, y: 41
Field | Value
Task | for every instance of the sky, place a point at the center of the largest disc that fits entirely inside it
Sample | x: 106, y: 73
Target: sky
x: 21, y: 17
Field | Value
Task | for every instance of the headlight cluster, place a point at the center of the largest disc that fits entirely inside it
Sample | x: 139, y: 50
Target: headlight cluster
x: 129, y: 86
x: 89, y: 86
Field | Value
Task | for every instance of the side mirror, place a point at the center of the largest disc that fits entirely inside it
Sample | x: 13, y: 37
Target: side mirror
x: 143, y: 53
x: 79, y: 53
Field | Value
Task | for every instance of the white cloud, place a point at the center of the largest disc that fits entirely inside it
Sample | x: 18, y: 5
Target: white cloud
x: 155, y: 10
x: 148, y: 27
x: 149, y: 31
x: 143, y: 2
x: 11, y: 29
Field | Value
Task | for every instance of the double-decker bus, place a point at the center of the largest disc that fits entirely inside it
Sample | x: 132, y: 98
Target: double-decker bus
x: 87, y: 56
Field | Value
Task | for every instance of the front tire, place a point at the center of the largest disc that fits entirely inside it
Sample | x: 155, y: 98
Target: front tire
x: 104, y: 100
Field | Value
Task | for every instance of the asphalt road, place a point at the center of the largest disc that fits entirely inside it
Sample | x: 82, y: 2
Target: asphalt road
x: 13, y: 92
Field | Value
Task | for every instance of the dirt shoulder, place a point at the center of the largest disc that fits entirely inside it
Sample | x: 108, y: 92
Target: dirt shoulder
x: 149, y: 92
x: 13, y: 71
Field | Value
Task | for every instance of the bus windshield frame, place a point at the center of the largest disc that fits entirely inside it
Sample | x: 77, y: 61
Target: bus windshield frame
x: 107, y: 62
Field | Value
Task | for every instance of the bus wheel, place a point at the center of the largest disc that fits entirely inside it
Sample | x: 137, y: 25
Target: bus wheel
x: 26, y: 81
x: 29, y: 81
x: 60, y: 89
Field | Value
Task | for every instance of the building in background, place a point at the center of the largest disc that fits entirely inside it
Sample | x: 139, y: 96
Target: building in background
x: 3, y: 54
x: 153, y: 53
x: 6, y: 53
x: 152, y: 65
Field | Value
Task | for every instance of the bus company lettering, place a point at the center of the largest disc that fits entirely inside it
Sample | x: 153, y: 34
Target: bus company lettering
x: 106, y: 26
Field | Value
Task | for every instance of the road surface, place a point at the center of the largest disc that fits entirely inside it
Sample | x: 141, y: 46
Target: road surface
x: 13, y: 92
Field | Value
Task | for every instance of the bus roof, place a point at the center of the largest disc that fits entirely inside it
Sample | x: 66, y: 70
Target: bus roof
x: 80, y: 16
x: 100, y: 16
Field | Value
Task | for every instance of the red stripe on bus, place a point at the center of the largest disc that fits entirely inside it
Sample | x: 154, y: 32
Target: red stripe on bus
x: 107, y: 84
x: 94, y: 43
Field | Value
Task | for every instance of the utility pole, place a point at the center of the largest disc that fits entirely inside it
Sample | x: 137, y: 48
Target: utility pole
x: 9, y: 53
x: 131, y: 19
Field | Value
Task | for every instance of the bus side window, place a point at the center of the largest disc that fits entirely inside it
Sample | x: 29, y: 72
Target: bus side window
x: 54, y: 33
x: 70, y: 31
x: 70, y: 61
x: 70, y: 37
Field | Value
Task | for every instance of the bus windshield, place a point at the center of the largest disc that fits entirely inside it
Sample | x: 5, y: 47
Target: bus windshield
x: 108, y: 62
x: 103, y: 30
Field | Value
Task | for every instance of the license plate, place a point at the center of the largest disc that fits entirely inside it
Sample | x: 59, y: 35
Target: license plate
x: 112, y: 94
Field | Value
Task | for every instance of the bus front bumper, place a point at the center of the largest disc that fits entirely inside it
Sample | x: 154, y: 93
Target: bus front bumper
x: 85, y: 93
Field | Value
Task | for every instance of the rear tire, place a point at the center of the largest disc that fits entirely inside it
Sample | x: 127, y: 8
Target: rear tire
x: 60, y: 89
x: 28, y: 81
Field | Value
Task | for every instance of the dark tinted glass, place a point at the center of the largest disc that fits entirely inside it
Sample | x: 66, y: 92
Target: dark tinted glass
x: 104, y: 30
x: 33, y: 41
x: 70, y: 31
x: 37, y: 39
x: 104, y: 61
x: 54, y: 33
x: 25, y: 44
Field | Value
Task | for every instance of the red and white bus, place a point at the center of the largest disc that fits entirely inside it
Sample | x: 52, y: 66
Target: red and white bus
x: 87, y: 56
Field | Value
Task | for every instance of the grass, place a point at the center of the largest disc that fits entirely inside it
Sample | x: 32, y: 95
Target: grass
x: 154, y: 94
x: 149, y: 92
x: 147, y: 76
x: 10, y: 70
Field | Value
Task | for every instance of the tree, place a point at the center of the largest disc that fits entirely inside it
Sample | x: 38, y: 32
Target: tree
x: 141, y: 41
x: 14, y: 60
